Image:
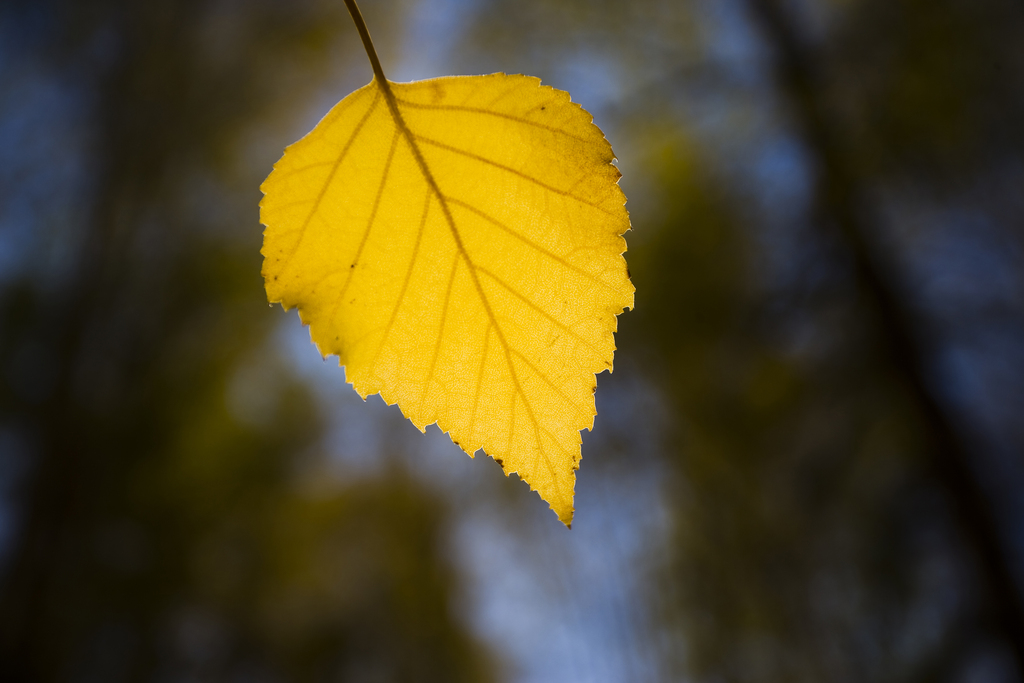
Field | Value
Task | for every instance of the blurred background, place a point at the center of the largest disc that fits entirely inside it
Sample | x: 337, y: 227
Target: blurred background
x: 807, y: 466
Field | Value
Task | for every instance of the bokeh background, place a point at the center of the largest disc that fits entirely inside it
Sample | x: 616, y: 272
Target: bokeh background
x: 807, y: 466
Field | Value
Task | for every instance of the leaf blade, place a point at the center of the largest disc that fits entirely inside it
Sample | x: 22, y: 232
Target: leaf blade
x: 485, y: 298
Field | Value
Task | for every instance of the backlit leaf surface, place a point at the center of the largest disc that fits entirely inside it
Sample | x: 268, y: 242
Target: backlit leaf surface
x: 456, y: 242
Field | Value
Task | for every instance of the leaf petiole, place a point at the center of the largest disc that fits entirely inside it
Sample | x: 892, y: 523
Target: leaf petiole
x: 364, y: 34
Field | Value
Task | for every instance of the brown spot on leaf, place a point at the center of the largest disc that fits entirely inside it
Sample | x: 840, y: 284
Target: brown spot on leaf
x: 436, y: 92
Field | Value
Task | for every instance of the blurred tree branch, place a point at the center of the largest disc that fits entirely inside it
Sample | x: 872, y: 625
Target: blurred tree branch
x: 839, y: 201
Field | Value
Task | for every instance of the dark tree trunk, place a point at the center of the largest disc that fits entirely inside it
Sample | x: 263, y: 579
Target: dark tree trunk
x: 839, y: 200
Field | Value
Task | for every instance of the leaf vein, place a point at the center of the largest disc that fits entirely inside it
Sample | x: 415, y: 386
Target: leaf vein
x: 405, y: 282
x: 440, y: 331
x: 529, y: 409
x: 513, y: 171
x: 480, y: 375
x: 529, y: 242
x: 432, y: 182
x: 369, y: 225
x: 489, y: 112
x: 300, y: 169
x: 547, y: 380
x: 526, y: 300
x: 330, y: 177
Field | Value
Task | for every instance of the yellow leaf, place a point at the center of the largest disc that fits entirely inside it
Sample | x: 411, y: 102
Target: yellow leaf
x: 456, y: 242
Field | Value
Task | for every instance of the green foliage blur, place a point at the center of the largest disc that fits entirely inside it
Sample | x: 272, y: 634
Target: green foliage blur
x: 758, y: 500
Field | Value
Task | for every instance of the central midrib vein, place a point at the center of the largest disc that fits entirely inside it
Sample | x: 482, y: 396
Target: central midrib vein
x: 396, y: 115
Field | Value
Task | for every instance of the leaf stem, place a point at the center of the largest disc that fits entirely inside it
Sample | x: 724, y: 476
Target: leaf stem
x: 357, y: 17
